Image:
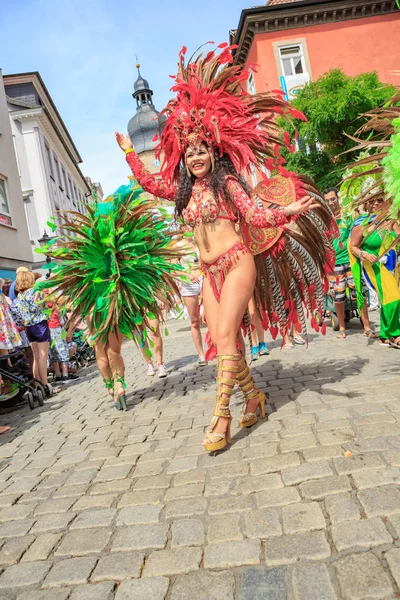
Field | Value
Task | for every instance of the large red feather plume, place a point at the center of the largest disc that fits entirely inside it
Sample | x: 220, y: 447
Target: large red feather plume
x: 213, y: 106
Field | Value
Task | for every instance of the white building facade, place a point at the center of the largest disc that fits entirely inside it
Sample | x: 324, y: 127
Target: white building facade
x: 48, y: 160
x: 15, y: 247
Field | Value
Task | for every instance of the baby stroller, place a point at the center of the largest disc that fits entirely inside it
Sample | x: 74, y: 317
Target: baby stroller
x: 85, y: 354
x: 18, y: 383
x: 329, y: 311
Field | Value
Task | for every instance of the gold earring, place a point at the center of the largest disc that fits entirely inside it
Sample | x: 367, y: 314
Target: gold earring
x: 188, y: 171
x: 212, y: 161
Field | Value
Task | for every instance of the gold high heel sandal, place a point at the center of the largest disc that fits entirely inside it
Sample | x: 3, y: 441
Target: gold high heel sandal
x: 216, y: 440
x: 248, y: 387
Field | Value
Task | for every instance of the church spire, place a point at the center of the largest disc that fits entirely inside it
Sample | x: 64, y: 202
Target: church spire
x: 144, y: 125
x: 142, y: 92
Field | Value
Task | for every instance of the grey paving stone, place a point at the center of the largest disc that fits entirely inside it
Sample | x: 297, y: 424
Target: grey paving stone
x: 352, y: 464
x: 172, y: 562
x: 94, y: 518
x: 138, y: 514
x: 97, y: 591
x: 250, y: 485
x: 72, y: 571
x: 274, y: 464
x: 313, y: 470
x: 14, y: 548
x: 22, y: 577
x: 42, y: 547
x: 261, y: 583
x: 382, y: 501
x: 365, y: 533
x: 178, y: 465
x: 184, y: 491
x: 84, y: 542
x: 393, y: 559
x: 288, y: 549
x: 141, y: 498
x: 44, y: 595
x: 111, y: 487
x: 189, y: 477
x: 312, y: 582
x: 341, y: 507
x: 54, y: 506
x: 187, y: 532
x: 89, y: 502
x: 360, y: 572
x: 153, y: 482
x: 300, y: 442
x: 232, y: 554
x: 149, y: 469
x: 375, y: 478
x: 280, y: 497
x: 155, y: 588
x: 16, y: 528
x: 223, y: 529
x: 318, y: 489
x: 204, y: 585
x: 394, y: 521
x: 262, y: 524
x: 142, y: 537
x: 52, y: 523
x: 117, y: 567
x: 112, y: 473
x: 69, y: 491
x: 305, y: 516
x: 185, y: 508
x: 16, y: 512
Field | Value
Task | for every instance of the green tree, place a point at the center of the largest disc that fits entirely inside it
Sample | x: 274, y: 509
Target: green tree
x: 333, y: 104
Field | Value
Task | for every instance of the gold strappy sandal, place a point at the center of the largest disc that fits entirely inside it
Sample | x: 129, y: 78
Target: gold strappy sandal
x: 248, y: 387
x: 218, y: 441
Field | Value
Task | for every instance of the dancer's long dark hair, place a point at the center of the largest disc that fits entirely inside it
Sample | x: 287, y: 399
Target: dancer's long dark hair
x: 219, y: 187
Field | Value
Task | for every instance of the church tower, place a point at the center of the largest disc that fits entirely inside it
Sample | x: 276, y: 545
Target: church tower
x: 145, y: 123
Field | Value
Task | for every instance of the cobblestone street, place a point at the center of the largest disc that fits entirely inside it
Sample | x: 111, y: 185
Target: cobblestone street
x: 97, y: 505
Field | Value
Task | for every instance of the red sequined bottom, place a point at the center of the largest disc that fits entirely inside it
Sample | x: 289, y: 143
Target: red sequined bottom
x: 217, y: 271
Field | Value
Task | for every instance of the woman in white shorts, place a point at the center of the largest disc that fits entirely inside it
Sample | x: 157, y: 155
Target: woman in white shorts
x: 191, y: 293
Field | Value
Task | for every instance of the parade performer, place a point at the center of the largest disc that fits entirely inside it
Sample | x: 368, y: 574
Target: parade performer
x: 214, y: 131
x: 113, y: 265
x: 376, y: 235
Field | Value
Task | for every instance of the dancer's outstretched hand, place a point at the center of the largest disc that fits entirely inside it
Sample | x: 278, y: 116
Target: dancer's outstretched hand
x: 123, y: 141
x: 301, y: 206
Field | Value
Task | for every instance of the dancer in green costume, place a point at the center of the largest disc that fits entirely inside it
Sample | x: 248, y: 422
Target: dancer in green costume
x: 115, y: 262
x: 376, y: 236
x: 373, y: 256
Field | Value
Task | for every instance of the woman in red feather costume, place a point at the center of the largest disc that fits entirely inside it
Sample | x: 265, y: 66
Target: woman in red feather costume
x: 214, y: 131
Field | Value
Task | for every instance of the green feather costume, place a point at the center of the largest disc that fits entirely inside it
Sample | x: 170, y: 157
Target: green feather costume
x: 115, y: 263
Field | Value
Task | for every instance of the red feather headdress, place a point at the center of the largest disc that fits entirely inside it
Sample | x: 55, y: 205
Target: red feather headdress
x: 213, y: 106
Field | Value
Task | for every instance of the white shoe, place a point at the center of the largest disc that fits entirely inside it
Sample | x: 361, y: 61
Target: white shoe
x: 162, y: 371
x: 150, y: 371
x: 202, y: 361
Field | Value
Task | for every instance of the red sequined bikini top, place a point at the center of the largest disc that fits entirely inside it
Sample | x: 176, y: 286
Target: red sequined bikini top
x: 206, y: 210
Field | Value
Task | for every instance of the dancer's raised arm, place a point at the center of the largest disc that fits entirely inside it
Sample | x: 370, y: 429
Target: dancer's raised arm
x: 149, y: 182
x: 266, y: 217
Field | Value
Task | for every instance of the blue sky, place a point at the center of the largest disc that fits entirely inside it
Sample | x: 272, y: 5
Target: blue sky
x: 85, y: 52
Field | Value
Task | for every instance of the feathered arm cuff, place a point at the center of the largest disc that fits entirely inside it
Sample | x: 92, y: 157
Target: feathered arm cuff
x: 254, y: 216
x: 149, y: 182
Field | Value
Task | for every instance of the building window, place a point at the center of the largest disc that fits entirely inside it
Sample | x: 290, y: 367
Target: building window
x: 70, y: 188
x: 65, y: 183
x: 5, y: 216
x: 58, y: 172
x: 49, y: 161
x: 251, y: 85
x: 75, y: 194
x: 292, y: 60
